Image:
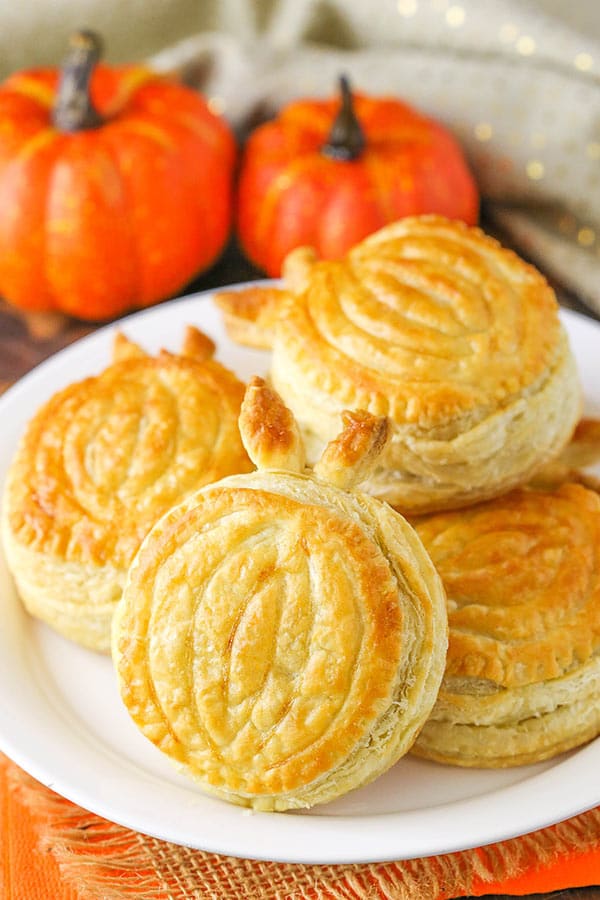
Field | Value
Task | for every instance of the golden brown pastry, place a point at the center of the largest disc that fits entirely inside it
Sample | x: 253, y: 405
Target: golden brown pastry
x: 100, y: 463
x: 250, y: 314
x: 438, y: 327
x: 280, y: 638
x: 522, y: 577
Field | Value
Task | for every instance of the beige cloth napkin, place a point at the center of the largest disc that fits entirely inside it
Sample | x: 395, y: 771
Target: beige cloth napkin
x: 520, y: 89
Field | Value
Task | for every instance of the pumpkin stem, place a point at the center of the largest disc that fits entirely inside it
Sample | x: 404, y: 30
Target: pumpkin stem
x: 74, y: 110
x: 346, y: 139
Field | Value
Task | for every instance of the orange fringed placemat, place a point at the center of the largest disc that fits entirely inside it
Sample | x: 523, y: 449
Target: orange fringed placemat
x: 54, y: 850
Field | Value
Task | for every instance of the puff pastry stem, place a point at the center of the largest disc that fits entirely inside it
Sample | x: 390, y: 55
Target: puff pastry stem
x: 269, y: 431
x: 197, y: 344
x: 352, y: 456
x: 297, y: 267
x: 125, y: 348
x: 250, y: 315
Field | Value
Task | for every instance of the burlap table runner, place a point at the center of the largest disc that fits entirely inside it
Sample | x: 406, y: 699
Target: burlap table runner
x: 54, y: 850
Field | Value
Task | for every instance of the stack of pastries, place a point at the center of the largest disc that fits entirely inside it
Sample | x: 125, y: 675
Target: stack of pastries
x: 410, y: 565
x: 458, y: 341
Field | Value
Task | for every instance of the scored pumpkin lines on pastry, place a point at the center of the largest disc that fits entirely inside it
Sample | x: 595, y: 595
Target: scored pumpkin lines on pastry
x: 100, y: 462
x: 449, y: 270
x: 439, y: 327
x: 280, y: 637
x: 248, y: 643
x: 522, y: 575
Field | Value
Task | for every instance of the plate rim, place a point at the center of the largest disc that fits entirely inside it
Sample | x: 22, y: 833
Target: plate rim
x: 376, y: 844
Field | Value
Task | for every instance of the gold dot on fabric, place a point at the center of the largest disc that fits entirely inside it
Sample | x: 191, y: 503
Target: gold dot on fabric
x: 483, y: 131
x: 593, y: 150
x: 508, y: 33
x: 538, y: 140
x: 455, y: 16
x: 586, y: 237
x: 535, y: 169
x: 216, y: 105
x: 407, y: 7
x: 525, y: 45
x: 583, y: 62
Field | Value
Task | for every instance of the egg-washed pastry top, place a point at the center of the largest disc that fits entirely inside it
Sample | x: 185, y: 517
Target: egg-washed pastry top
x: 100, y: 462
x: 281, y: 636
x: 522, y: 577
x: 435, y: 325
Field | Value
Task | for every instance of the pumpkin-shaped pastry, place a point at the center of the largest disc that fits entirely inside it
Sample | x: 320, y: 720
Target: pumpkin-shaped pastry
x: 281, y: 636
x: 115, y: 186
x: 522, y: 577
x: 100, y: 462
x: 435, y: 325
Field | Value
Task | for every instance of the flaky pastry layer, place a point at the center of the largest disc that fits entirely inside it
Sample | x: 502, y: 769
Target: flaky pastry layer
x: 281, y: 640
x: 453, y: 337
x: 522, y: 576
x: 98, y: 465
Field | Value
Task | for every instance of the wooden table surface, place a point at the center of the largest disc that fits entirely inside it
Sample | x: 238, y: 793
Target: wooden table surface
x: 24, y: 344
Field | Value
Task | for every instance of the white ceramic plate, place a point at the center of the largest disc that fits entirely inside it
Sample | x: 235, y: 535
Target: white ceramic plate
x: 61, y: 718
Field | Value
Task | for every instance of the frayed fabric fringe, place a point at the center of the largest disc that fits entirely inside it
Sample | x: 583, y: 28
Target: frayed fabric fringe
x: 104, y: 861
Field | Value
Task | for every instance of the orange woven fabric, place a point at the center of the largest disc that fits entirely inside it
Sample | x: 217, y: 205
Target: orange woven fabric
x: 53, y: 850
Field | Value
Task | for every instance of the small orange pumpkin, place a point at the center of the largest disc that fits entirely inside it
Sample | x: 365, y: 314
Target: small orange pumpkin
x: 115, y: 186
x: 327, y: 176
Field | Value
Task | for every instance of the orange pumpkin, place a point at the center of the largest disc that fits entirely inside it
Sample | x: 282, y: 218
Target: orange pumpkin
x: 115, y: 186
x: 326, y: 180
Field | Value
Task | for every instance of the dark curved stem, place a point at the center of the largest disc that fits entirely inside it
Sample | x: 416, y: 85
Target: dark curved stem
x: 346, y: 139
x: 74, y: 110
